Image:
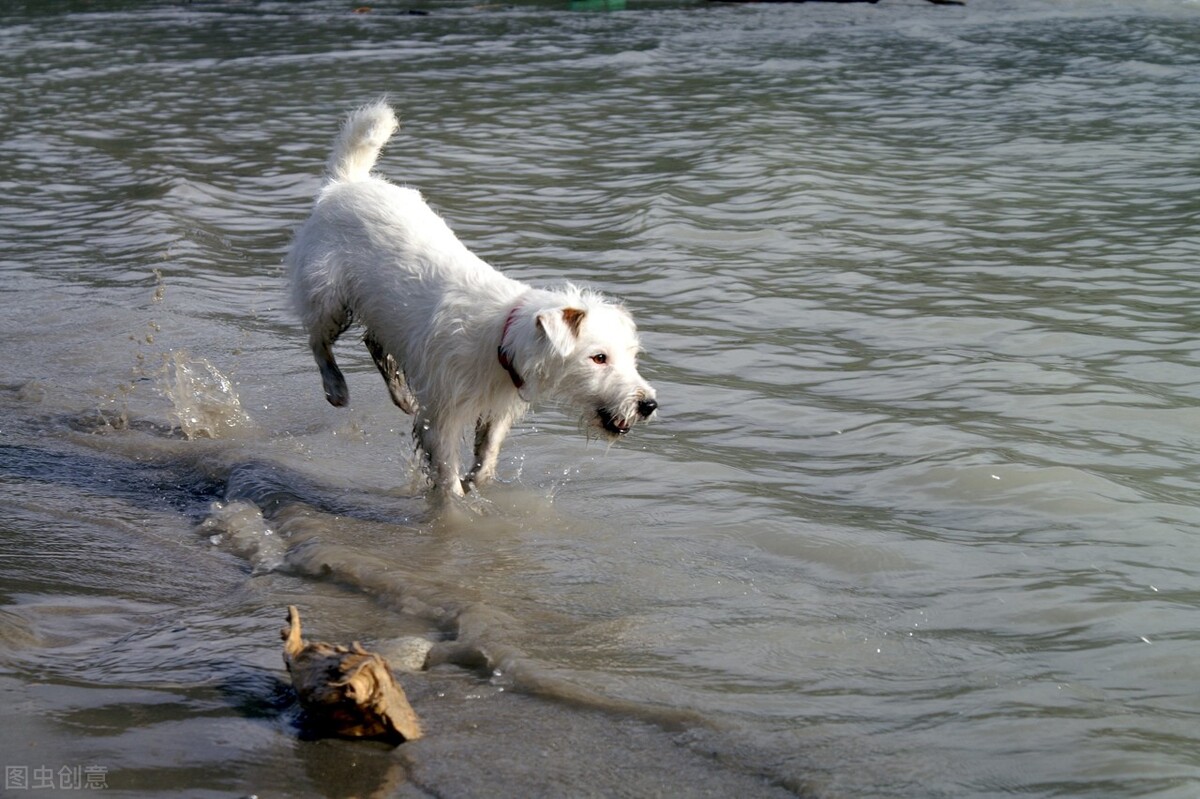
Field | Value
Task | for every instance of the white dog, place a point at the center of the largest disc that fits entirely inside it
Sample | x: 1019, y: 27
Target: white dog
x: 459, y: 345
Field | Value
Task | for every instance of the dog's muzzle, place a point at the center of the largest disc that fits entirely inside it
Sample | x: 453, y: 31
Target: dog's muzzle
x: 619, y: 426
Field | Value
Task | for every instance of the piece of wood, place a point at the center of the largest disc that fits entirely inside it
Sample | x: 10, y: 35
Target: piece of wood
x: 347, y: 691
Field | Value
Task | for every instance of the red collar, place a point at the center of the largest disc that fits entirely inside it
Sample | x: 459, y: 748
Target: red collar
x: 503, y: 356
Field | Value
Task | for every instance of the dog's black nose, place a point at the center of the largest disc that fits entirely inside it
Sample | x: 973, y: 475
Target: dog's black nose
x: 647, y: 407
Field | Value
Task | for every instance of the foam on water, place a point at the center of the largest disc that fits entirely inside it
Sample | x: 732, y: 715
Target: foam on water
x: 239, y: 526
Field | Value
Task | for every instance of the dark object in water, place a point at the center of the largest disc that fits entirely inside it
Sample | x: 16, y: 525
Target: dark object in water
x: 347, y: 691
x: 872, y: 2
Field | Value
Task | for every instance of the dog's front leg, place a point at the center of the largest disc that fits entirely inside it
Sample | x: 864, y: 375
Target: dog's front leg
x: 489, y: 435
x: 441, y: 455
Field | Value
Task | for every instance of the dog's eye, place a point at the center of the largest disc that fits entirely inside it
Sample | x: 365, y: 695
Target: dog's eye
x: 600, y: 358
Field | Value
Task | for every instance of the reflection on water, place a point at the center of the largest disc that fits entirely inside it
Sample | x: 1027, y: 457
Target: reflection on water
x: 915, y: 286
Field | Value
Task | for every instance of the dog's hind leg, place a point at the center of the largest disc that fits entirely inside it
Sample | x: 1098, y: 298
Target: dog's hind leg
x: 331, y: 376
x: 392, y: 376
x: 321, y: 341
x: 489, y: 435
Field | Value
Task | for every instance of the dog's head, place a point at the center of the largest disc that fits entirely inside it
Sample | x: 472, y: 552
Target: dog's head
x: 586, y: 357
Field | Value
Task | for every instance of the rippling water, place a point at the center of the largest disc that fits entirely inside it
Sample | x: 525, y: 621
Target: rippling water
x: 918, y: 290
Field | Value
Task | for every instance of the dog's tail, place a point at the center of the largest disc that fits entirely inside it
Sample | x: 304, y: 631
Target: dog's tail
x: 363, y: 135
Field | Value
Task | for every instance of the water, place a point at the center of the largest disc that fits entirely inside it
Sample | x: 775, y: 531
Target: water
x: 917, y: 286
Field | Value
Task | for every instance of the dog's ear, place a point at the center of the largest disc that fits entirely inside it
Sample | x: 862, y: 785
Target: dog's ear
x: 561, y: 328
x: 574, y: 318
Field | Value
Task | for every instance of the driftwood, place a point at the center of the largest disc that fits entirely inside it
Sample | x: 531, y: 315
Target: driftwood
x: 347, y: 691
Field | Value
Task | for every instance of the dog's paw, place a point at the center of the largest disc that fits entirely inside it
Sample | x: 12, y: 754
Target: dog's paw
x: 338, y: 396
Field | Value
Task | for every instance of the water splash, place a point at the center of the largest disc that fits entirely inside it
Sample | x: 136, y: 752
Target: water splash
x: 240, y: 527
x: 206, y: 404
